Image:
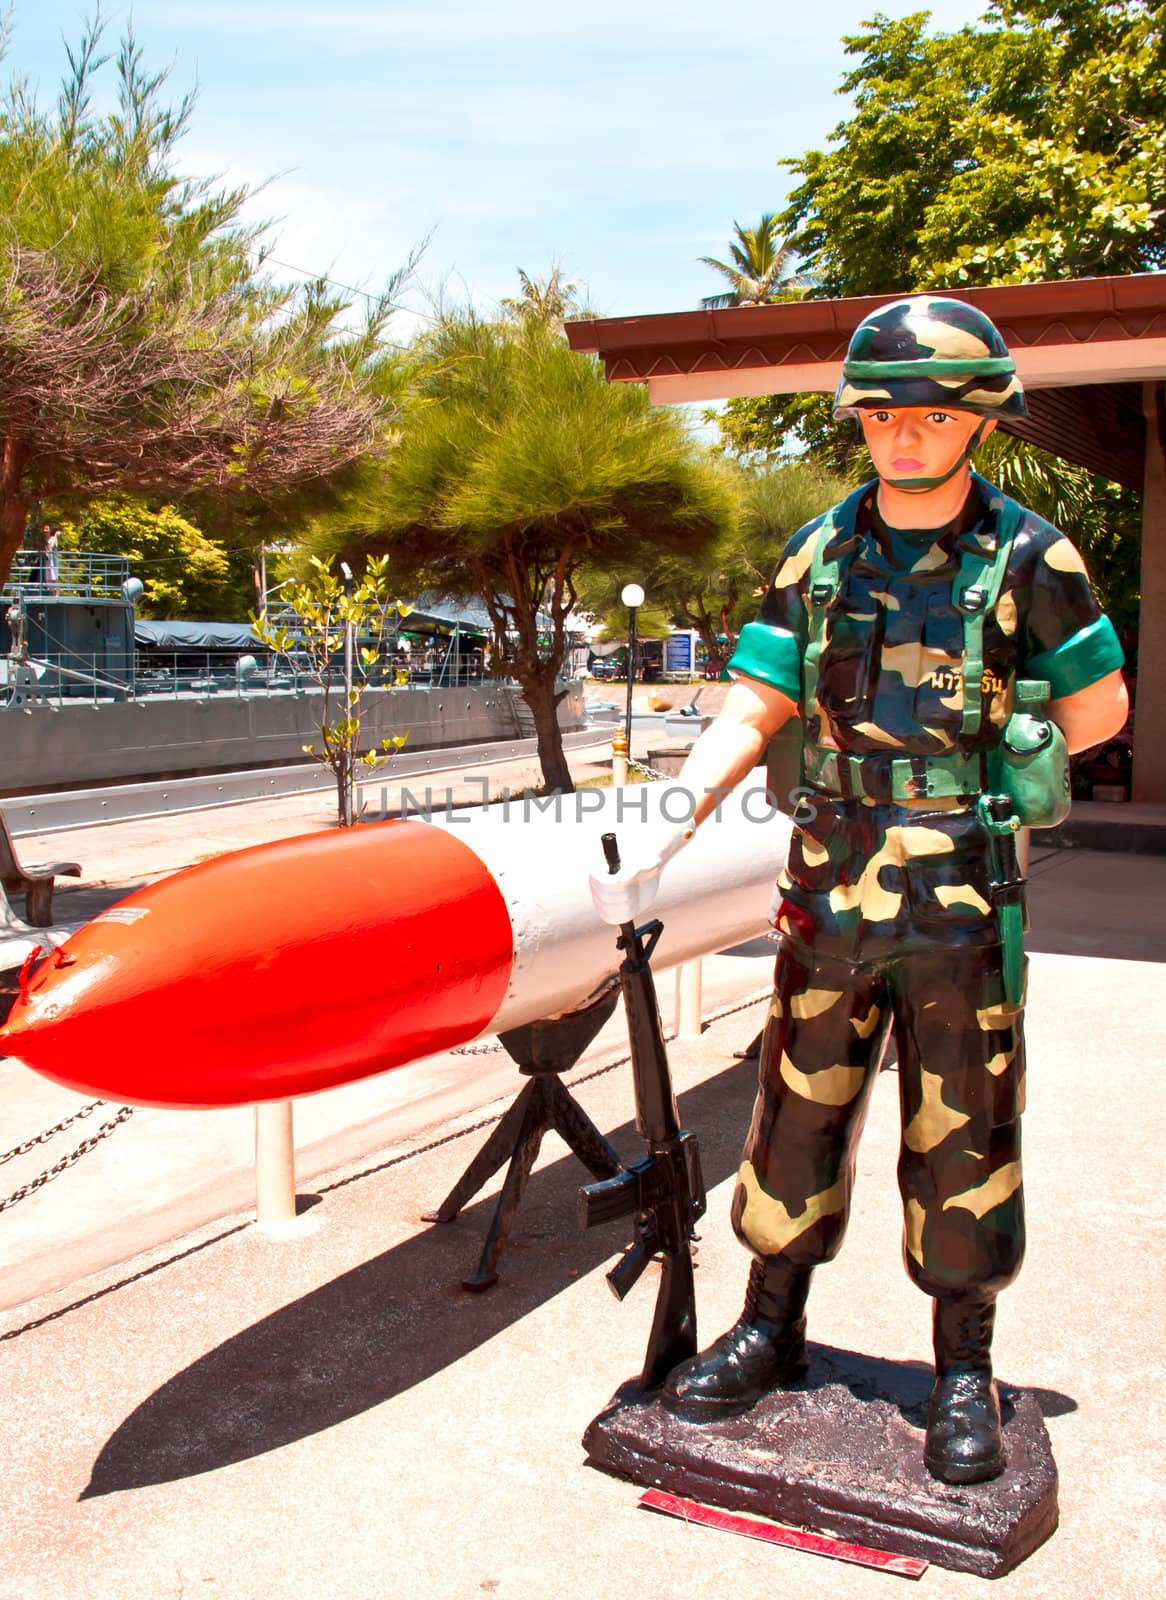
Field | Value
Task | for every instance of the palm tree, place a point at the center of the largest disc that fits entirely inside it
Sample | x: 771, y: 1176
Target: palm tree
x: 758, y: 269
x: 545, y: 302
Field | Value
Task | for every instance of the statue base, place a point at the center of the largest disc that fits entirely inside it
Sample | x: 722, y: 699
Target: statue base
x: 842, y: 1454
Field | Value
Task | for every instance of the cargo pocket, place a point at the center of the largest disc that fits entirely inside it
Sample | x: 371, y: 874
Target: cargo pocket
x: 1002, y: 1031
x: 808, y: 865
x: 948, y: 886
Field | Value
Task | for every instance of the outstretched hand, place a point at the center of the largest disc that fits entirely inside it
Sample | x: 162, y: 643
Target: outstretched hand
x: 623, y: 896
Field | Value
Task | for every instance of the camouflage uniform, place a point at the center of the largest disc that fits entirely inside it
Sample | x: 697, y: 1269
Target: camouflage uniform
x: 902, y: 649
x: 886, y: 921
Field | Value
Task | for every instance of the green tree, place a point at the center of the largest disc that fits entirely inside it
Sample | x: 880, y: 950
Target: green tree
x: 518, y: 468
x: 1032, y: 148
x: 758, y: 270
x: 185, y: 573
x: 141, y: 349
x: 321, y: 616
x: 1104, y: 519
x: 763, y: 431
x: 718, y: 593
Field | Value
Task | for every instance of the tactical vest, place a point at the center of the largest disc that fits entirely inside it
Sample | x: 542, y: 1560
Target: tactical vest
x: 975, y: 590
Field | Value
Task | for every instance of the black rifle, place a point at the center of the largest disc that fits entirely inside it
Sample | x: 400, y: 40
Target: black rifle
x: 664, y: 1191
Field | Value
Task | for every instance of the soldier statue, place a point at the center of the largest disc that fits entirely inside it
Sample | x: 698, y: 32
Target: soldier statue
x: 916, y: 629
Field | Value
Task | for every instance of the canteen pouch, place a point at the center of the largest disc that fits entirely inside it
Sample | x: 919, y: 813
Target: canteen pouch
x: 1030, y: 765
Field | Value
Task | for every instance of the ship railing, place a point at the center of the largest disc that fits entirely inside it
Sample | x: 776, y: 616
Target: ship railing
x: 72, y: 677
x: 72, y: 575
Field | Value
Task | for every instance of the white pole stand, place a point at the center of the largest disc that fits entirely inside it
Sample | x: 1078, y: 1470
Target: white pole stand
x: 688, y: 999
x: 275, y: 1165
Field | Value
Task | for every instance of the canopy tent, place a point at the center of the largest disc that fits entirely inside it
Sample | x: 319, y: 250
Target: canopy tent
x: 433, y: 613
x: 466, y: 612
x: 197, y: 636
x: 1090, y: 352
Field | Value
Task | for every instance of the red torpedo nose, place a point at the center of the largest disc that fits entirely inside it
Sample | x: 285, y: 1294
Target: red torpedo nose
x: 273, y: 972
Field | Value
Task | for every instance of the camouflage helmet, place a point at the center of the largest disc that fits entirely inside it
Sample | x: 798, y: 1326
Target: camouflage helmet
x: 933, y: 352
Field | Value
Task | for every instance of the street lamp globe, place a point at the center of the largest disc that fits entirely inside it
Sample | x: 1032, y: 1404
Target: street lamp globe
x: 632, y: 595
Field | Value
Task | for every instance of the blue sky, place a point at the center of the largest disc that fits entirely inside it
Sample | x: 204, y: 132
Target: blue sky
x: 622, y: 139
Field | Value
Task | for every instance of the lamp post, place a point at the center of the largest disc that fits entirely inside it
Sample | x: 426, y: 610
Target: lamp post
x: 349, y: 652
x: 632, y: 596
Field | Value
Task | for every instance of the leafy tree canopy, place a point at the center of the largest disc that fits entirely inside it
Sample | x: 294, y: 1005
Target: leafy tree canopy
x: 717, y: 595
x: 142, y: 349
x: 761, y: 431
x: 185, y: 573
x: 546, y: 302
x: 758, y: 270
x: 1032, y: 148
x: 1104, y: 519
x: 517, y: 468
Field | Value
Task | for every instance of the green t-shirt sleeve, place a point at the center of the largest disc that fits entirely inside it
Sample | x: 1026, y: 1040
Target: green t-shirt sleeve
x: 771, y: 649
x: 1068, y: 639
x: 1088, y: 655
x: 771, y: 655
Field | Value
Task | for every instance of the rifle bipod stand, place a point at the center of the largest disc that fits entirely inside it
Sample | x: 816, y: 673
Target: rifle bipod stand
x: 542, y: 1051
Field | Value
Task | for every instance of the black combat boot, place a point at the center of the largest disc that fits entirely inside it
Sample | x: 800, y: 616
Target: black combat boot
x: 964, y: 1441
x: 765, y: 1349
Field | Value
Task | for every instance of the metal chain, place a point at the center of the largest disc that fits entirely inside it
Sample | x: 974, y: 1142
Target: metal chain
x: 489, y: 1122
x: 51, y: 1133
x: 649, y: 772
x: 63, y: 1165
x: 339, y: 1183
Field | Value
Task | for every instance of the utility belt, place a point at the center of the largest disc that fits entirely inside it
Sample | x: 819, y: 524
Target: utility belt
x: 890, y: 779
x: 1029, y: 766
x: 951, y: 776
x: 1023, y: 781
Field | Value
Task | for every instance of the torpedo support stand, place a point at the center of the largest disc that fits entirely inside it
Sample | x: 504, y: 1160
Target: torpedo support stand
x: 542, y: 1050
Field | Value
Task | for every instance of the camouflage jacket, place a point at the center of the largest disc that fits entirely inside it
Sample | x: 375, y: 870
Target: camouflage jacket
x: 891, y: 669
x: 867, y: 879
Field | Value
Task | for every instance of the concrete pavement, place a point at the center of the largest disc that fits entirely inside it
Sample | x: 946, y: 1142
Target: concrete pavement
x: 197, y: 1407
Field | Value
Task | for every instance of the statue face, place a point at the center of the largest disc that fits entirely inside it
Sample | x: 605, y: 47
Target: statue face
x: 914, y: 442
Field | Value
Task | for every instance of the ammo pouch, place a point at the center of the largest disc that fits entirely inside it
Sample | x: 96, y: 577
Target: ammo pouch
x: 1030, y: 765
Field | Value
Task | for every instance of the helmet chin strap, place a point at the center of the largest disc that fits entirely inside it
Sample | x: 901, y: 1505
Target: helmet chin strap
x: 923, y: 485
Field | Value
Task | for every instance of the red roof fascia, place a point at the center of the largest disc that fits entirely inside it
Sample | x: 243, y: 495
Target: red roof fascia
x: 1074, y: 311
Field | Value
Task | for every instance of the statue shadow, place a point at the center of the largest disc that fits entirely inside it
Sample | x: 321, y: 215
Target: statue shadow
x: 761, y: 945
x: 906, y: 1385
x: 392, y: 1322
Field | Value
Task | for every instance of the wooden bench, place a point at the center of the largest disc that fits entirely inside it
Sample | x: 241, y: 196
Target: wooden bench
x: 34, y: 883
x: 17, y: 942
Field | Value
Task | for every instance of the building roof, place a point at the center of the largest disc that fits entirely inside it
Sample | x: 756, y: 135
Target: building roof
x: 1083, y: 347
